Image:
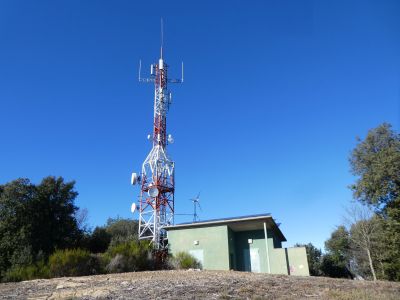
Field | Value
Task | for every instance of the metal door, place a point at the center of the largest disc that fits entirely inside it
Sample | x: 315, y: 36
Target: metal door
x: 255, y: 260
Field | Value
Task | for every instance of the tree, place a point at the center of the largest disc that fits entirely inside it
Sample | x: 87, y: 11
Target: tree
x: 365, y: 228
x: 314, y: 257
x: 54, y: 213
x: 99, y: 240
x: 82, y: 216
x: 336, y: 262
x: 35, y: 220
x: 338, y: 245
x: 122, y: 230
x: 15, y: 233
x: 376, y: 163
x: 331, y: 268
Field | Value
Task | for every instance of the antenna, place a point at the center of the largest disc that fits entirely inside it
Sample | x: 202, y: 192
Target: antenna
x: 140, y: 69
x: 156, y: 180
x: 182, y: 74
x: 196, y: 203
x: 162, y: 37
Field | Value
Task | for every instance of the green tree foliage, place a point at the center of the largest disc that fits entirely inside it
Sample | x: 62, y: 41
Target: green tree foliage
x: 376, y: 163
x: 336, y: 262
x: 339, y: 244
x: 53, y: 210
x: 331, y: 268
x: 35, y: 220
x: 314, y: 257
x: 122, y: 230
x: 14, y: 224
x: 99, y: 240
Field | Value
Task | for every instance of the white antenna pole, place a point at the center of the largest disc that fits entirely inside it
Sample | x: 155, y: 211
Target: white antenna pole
x: 182, y: 73
x: 162, y: 37
x: 140, y: 68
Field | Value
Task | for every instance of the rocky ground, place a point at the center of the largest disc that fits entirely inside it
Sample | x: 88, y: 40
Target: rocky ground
x: 198, y: 285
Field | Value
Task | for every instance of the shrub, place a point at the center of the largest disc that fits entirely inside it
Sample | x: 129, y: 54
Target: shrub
x: 33, y: 271
x: 73, y: 262
x: 118, y: 264
x: 183, y: 260
x: 129, y: 257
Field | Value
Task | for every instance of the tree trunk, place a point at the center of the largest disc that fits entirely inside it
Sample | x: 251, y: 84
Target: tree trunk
x: 371, y: 265
x: 382, y: 269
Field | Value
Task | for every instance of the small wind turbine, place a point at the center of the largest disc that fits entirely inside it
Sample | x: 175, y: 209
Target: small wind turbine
x: 196, y: 203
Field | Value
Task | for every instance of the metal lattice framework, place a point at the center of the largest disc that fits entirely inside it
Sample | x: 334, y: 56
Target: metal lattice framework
x: 156, y: 201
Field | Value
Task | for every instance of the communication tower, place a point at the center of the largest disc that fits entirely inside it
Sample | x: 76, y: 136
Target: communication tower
x: 157, y: 184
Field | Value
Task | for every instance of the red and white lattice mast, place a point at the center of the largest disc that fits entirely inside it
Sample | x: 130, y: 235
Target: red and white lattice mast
x: 156, y: 201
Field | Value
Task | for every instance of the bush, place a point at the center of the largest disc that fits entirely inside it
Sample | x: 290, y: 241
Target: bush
x: 183, y: 260
x: 129, y: 257
x: 33, y: 271
x: 73, y: 262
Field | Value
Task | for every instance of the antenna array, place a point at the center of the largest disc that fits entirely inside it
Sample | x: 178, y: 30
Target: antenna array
x: 157, y: 184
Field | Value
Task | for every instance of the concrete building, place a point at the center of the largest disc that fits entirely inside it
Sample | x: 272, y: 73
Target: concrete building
x: 248, y: 243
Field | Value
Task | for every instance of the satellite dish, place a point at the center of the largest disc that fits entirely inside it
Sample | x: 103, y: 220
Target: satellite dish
x: 134, y: 178
x: 153, y: 192
x: 133, y: 207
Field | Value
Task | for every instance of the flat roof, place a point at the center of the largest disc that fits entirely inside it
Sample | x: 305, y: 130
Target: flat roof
x: 241, y: 223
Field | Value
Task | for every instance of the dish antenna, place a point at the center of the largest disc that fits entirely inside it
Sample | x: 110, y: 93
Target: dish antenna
x: 134, y: 178
x: 133, y: 207
x: 196, y: 203
x: 153, y: 192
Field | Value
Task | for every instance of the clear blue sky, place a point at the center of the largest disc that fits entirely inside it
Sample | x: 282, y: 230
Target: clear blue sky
x: 275, y: 94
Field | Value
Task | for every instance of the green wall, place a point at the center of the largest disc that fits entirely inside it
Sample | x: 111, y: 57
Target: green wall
x: 298, y: 263
x: 220, y: 248
x: 243, y: 249
x: 277, y: 256
x: 213, y: 241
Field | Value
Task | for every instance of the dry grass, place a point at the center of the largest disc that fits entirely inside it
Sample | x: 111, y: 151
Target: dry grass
x: 198, y: 285
x: 361, y: 295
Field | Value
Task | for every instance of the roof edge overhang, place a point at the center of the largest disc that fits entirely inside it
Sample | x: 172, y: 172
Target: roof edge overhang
x: 227, y: 221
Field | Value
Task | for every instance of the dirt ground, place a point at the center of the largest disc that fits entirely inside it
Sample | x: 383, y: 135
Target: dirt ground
x: 194, y: 284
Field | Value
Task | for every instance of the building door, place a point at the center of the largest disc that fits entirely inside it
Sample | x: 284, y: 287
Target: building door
x: 255, y: 260
x: 251, y: 260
